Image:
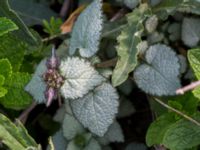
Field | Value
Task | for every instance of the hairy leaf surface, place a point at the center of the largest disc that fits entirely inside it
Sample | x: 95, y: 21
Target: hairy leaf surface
x: 36, y: 87
x: 191, y: 31
x: 59, y: 141
x: 114, y: 134
x: 159, y: 75
x: 71, y: 127
x: 80, y: 77
x: 97, y: 109
x: 87, y: 31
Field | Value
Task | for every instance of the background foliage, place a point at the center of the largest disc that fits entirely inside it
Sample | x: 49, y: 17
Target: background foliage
x: 92, y: 75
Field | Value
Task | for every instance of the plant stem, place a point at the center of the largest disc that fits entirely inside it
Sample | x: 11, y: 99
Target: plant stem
x: 113, y: 31
x: 52, y: 37
x: 108, y: 63
x: 65, y: 8
x: 188, y: 87
x: 177, y: 111
x: 23, y: 117
x: 118, y: 15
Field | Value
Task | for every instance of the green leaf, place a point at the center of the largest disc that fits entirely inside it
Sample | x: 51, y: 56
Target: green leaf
x: 59, y: 141
x: 183, y: 63
x: 2, y: 79
x: 126, y: 108
x: 127, y: 48
x: 131, y: 3
x: 12, y: 49
x: 114, y: 134
x: 60, y: 113
x: 15, y: 137
x: 16, y: 98
x: 23, y: 33
x: 73, y: 146
x: 5, y: 69
x: 174, y: 135
x: 151, y: 24
x: 159, y: 75
x: 80, y: 77
x: 31, y: 12
x: 183, y: 134
x: 92, y: 144
x: 190, y: 6
x: 5, y: 74
x: 36, y: 87
x: 196, y: 92
x: 51, y: 144
x: 97, y: 109
x: 188, y: 102
x: 190, y: 31
x: 28, y: 140
x: 87, y: 30
x: 166, y: 7
x: 154, y: 2
x: 52, y: 27
x: 71, y: 127
x: 6, y: 25
x: 157, y: 129
x: 3, y: 91
x: 194, y: 59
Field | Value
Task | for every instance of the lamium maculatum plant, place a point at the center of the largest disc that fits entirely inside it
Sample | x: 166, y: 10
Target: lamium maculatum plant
x: 109, y: 60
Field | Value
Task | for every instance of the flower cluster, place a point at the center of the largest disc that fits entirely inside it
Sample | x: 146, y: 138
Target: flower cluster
x: 52, y: 78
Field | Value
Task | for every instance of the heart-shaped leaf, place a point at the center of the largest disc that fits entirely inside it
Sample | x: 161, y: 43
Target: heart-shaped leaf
x: 80, y: 77
x: 87, y: 30
x: 159, y: 75
x: 36, y: 87
x: 191, y: 31
x: 71, y: 127
x: 97, y: 109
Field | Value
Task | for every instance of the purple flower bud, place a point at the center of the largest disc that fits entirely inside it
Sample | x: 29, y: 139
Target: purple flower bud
x: 50, y: 94
x: 53, y: 62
